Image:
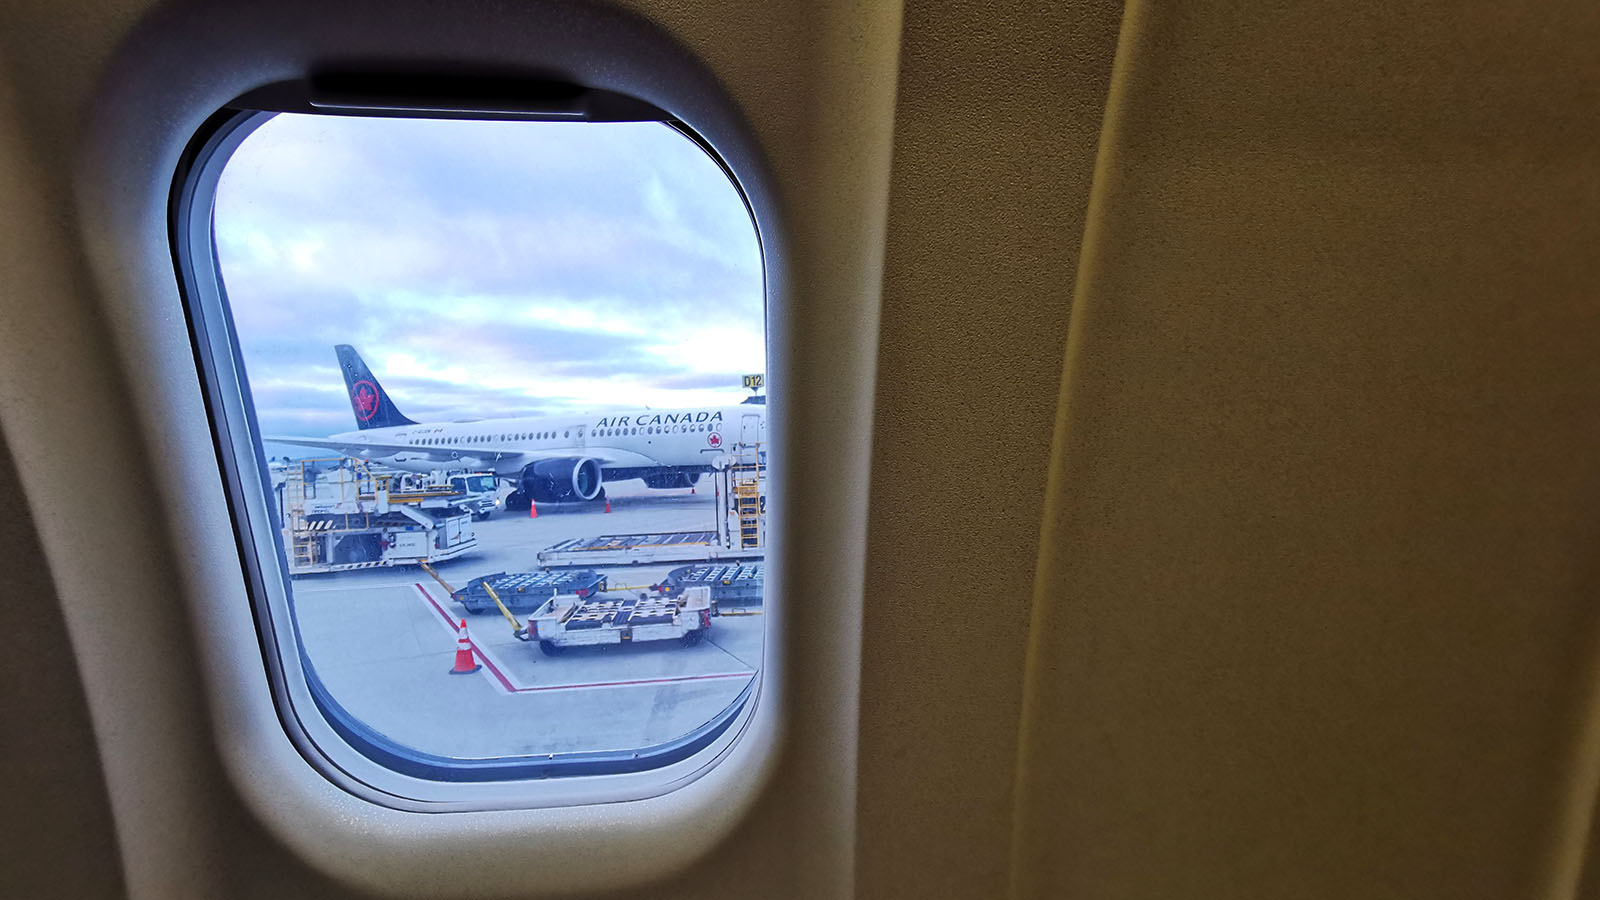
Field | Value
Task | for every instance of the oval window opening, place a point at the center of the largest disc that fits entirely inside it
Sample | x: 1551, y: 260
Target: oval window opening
x: 455, y: 336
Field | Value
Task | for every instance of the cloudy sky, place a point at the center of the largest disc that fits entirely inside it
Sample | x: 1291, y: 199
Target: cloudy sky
x: 485, y: 269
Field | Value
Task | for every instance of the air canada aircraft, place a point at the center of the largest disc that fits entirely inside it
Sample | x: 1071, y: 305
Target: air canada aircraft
x: 546, y: 459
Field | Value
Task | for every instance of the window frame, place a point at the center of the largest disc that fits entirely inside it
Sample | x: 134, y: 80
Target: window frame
x: 351, y: 755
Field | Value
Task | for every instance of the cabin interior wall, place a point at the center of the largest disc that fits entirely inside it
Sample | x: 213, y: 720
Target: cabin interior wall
x: 996, y: 126
x: 1316, y: 612
x: 51, y: 776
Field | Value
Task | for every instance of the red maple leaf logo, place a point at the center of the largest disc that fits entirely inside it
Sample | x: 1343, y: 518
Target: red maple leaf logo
x: 714, y: 439
x: 365, y: 397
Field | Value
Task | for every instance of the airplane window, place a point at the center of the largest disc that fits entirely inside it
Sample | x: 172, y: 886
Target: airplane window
x: 491, y: 626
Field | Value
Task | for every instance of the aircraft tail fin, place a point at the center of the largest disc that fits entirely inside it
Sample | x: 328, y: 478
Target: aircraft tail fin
x: 368, y: 400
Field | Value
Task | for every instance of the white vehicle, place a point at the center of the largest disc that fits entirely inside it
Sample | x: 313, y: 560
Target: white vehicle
x: 545, y: 459
x: 567, y: 620
x: 479, y: 491
x: 340, y: 514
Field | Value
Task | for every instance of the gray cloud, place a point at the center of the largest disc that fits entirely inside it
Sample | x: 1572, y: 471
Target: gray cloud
x: 491, y: 268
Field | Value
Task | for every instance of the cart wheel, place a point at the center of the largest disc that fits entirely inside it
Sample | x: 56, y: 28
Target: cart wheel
x: 549, y: 648
x: 692, y: 638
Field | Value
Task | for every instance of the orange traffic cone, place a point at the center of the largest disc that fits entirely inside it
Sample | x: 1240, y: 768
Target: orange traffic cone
x: 465, y: 665
x: 533, y: 510
x: 608, y: 504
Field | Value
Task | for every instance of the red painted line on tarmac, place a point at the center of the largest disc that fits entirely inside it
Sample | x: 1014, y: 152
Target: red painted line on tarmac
x: 487, y: 662
x: 513, y: 689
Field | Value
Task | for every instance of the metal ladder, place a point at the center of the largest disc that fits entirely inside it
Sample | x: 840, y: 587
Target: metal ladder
x: 746, y: 480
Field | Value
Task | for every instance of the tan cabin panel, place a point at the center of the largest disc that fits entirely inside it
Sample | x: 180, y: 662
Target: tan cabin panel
x: 1316, y: 611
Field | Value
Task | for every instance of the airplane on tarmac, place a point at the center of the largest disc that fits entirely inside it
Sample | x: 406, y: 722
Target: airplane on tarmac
x: 546, y: 459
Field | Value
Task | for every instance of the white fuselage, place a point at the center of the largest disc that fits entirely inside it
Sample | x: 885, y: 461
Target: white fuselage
x: 634, y: 440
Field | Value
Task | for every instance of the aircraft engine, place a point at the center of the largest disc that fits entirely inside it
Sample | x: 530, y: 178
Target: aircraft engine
x: 555, y: 480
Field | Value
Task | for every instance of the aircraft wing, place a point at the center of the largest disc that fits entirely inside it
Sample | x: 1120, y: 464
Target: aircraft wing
x: 360, y: 449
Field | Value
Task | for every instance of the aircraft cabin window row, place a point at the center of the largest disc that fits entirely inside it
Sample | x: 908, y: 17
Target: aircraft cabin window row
x: 453, y: 605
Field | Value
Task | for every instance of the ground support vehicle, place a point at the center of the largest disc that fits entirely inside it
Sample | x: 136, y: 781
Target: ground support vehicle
x: 739, y: 519
x: 634, y: 549
x: 740, y: 479
x: 478, y: 491
x: 568, y: 620
x: 339, y: 514
x: 731, y: 584
x: 526, y: 591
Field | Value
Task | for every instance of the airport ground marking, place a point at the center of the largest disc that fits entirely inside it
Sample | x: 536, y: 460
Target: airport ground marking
x: 496, y: 669
x: 490, y: 664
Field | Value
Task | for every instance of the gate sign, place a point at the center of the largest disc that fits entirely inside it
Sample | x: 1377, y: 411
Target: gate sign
x: 754, y: 382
